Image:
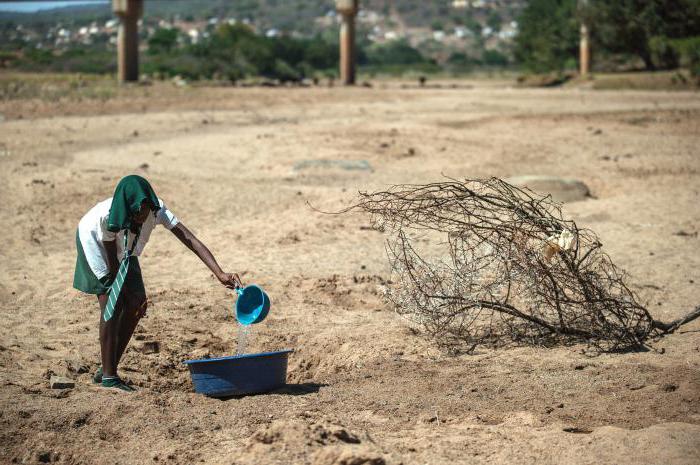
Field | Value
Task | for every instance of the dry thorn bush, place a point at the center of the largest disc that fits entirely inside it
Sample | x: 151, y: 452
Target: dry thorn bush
x: 485, y: 262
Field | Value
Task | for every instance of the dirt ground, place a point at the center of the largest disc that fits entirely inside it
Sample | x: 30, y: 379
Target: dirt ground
x: 363, y: 386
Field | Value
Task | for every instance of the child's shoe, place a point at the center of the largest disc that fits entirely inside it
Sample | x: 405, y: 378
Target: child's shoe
x: 117, y: 383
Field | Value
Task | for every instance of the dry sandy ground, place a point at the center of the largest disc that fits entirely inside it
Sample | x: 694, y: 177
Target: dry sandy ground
x: 363, y: 387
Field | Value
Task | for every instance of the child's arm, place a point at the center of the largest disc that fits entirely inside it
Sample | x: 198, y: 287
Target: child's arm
x: 230, y: 280
x: 112, y: 260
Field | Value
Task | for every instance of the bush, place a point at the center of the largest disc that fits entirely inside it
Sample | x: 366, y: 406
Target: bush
x: 396, y: 52
x: 494, y: 58
x: 163, y: 40
x: 688, y: 51
x: 662, y: 53
x: 284, y: 72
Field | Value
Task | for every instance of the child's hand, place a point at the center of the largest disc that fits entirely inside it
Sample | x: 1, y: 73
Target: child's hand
x: 230, y: 280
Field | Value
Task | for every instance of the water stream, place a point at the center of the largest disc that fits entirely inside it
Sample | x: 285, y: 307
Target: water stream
x: 245, y: 333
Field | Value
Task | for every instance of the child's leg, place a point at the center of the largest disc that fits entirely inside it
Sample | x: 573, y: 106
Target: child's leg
x: 108, y: 336
x: 135, y: 308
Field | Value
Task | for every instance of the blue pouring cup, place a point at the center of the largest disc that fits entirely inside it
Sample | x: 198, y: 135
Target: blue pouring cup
x: 252, y: 305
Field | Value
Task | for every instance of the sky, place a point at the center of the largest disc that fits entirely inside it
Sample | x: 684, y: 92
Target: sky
x: 34, y: 6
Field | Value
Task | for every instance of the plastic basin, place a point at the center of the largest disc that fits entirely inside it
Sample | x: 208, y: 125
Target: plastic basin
x: 239, y: 374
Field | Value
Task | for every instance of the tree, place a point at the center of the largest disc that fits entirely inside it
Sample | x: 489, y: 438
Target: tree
x: 471, y: 23
x: 548, y: 36
x: 494, y: 58
x: 643, y: 27
x: 162, y: 40
x: 321, y: 54
x: 494, y: 21
x: 396, y: 52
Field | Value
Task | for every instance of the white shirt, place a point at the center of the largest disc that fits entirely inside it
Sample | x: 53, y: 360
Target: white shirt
x: 93, y: 232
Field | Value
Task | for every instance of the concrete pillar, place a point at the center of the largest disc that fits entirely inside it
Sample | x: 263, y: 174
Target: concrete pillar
x: 584, y: 45
x: 129, y: 12
x: 584, y: 51
x: 348, y: 11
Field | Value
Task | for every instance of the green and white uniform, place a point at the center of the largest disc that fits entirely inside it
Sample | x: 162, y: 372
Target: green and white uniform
x: 91, y: 271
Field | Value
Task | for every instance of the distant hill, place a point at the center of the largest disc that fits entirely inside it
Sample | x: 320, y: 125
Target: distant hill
x: 78, y: 14
x: 288, y: 15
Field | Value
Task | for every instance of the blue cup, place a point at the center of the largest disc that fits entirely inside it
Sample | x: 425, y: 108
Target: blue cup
x: 252, y: 305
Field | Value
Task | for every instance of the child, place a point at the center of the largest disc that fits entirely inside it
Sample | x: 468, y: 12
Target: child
x: 110, y: 238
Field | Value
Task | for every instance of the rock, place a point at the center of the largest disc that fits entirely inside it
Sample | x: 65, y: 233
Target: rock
x: 46, y: 457
x: 343, y: 435
x: 346, y: 165
x: 77, y: 366
x: 669, y: 387
x: 561, y: 189
x: 427, y: 418
x: 150, y: 347
x: 201, y: 352
x: 60, y: 382
x: 686, y: 234
x: 577, y: 430
x: 347, y: 456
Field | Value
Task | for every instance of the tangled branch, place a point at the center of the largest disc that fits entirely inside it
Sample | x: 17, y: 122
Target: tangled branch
x: 482, y: 261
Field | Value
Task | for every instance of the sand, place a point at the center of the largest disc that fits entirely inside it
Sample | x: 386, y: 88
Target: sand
x: 363, y: 386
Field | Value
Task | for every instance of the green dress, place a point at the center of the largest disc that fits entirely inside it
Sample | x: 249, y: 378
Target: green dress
x: 85, y: 280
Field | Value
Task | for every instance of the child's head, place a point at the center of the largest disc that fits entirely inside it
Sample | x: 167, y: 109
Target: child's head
x: 133, y: 200
x: 140, y: 216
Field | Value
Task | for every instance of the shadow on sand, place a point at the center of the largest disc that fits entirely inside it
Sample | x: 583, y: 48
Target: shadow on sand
x: 300, y: 389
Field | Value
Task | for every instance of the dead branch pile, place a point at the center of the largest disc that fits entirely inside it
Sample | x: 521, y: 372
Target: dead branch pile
x: 482, y: 261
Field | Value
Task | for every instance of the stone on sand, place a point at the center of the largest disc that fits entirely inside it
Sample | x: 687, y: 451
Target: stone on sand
x: 561, y: 189
x: 150, y: 347
x: 76, y: 366
x: 344, y: 165
x: 60, y: 382
x: 334, y: 455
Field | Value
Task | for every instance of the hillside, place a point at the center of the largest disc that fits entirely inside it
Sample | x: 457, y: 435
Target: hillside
x: 289, y: 15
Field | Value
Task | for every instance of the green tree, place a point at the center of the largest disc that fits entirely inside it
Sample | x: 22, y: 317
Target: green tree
x: 162, y: 40
x: 494, y: 58
x: 472, y: 23
x: 321, y: 54
x: 548, y: 35
x: 643, y: 27
x: 396, y: 52
x: 494, y: 20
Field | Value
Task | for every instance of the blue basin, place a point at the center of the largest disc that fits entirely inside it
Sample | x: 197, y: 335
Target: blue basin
x: 239, y: 374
